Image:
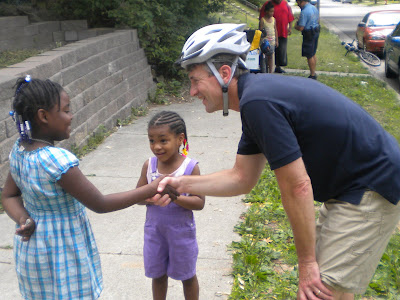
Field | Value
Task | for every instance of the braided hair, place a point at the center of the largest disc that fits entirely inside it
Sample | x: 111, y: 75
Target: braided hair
x: 32, y: 95
x: 173, y: 120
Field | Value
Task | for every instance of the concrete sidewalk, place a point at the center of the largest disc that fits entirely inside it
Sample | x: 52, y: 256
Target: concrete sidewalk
x: 115, y: 166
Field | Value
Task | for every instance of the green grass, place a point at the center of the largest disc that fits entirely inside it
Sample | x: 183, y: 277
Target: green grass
x: 330, y: 54
x: 8, y: 58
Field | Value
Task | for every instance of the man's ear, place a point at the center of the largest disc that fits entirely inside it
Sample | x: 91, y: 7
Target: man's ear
x: 42, y: 116
x: 225, y: 72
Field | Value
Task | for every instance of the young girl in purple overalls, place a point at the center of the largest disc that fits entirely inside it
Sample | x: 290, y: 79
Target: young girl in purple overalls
x: 170, y: 245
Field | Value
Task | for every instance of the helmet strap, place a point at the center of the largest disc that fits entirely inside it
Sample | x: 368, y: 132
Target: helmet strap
x: 224, y: 85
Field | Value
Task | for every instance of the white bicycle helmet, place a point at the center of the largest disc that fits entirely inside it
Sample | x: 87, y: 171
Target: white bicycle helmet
x: 212, y: 40
x: 215, y: 39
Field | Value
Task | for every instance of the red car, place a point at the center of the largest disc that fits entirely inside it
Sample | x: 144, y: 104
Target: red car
x: 373, y: 29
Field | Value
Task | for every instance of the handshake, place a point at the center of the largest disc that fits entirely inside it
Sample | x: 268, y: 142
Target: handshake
x: 164, y: 193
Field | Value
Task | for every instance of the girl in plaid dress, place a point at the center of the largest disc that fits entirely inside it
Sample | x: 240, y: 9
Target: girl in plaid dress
x: 170, y: 245
x: 45, y: 193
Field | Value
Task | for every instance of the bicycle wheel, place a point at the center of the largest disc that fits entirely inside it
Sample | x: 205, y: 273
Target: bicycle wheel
x: 369, y: 58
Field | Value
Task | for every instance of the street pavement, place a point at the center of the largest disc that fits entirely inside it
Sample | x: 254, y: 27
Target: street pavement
x: 115, y: 166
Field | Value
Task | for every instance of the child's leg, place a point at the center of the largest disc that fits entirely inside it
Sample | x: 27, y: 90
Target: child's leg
x: 270, y: 63
x: 191, y: 288
x: 160, y: 287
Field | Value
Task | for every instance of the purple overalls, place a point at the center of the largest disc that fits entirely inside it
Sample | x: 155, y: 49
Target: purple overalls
x: 170, y: 245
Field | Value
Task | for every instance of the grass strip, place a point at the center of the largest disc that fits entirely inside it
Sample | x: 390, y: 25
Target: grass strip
x: 8, y: 58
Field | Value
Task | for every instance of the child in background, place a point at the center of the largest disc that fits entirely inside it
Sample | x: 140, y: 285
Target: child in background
x: 45, y: 193
x: 170, y: 245
x: 268, y: 26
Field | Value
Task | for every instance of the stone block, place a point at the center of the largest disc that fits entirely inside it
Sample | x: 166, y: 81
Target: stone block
x: 16, y: 43
x: 73, y: 25
x: 11, y: 22
x: 7, y: 82
x: 11, y: 128
x: 85, y: 34
x: 30, y: 30
x: 48, y: 26
x: 58, y: 36
x: 4, y: 168
x: 8, y: 33
x: 49, y: 68
x: 101, y: 31
x: 3, y: 131
x: 71, y: 36
x: 43, y: 40
x: 5, y: 108
x: 5, y: 148
x: 87, y: 84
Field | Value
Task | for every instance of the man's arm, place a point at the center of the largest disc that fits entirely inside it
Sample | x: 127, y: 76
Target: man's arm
x: 298, y: 202
x: 236, y: 181
x: 299, y: 28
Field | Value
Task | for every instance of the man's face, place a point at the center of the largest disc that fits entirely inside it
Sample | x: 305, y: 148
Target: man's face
x: 205, y: 87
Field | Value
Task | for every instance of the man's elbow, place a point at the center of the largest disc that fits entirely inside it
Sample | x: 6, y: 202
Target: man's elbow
x: 302, y: 189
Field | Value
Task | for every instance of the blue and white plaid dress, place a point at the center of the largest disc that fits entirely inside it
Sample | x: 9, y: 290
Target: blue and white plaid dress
x: 61, y: 260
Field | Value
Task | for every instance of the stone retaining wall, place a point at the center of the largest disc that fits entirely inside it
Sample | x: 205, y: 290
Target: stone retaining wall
x: 105, y: 76
x: 17, y: 33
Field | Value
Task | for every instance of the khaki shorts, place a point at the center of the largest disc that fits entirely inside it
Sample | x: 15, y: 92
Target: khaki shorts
x: 351, y: 240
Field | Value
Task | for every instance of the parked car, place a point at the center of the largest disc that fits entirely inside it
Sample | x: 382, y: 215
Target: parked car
x: 373, y: 29
x: 392, y: 53
x: 347, y: 1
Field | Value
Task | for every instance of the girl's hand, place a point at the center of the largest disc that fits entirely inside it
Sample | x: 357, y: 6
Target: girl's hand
x: 159, y: 200
x: 26, y: 229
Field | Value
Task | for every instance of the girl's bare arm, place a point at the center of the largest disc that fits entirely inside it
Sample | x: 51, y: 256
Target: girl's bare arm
x: 76, y: 184
x: 143, y: 179
x: 13, y: 205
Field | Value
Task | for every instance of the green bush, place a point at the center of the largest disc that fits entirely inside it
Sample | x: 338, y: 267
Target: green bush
x: 163, y: 27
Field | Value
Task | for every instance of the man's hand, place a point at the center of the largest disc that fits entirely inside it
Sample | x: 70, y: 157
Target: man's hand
x: 169, y: 181
x: 26, y: 229
x: 310, y: 284
x: 167, y: 189
x: 166, y: 193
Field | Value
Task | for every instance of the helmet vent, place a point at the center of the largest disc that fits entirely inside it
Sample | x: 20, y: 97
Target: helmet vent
x: 226, y: 36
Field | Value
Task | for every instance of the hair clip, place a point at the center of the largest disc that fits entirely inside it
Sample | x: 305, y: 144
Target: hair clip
x: 28, y: 79
x: 185, y: 148
x: 12, y: 113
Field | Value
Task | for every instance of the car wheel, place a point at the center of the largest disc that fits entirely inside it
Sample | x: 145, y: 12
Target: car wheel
x: 388, y: 72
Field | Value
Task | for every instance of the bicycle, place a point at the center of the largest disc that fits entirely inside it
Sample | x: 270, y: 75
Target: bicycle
x: 367, y: 57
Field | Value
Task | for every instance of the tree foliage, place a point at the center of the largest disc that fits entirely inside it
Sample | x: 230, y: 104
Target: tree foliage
x: 162, y: 25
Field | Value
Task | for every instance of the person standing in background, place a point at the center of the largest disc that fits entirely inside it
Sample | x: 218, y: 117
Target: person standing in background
x: 309, y: 27
x: 284, y: 19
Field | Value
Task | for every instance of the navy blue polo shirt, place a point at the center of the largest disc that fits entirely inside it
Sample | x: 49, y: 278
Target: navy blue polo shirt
x: 345, y: 151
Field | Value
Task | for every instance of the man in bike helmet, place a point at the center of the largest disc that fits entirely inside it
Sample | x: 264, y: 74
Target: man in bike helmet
x: 321, y: 145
